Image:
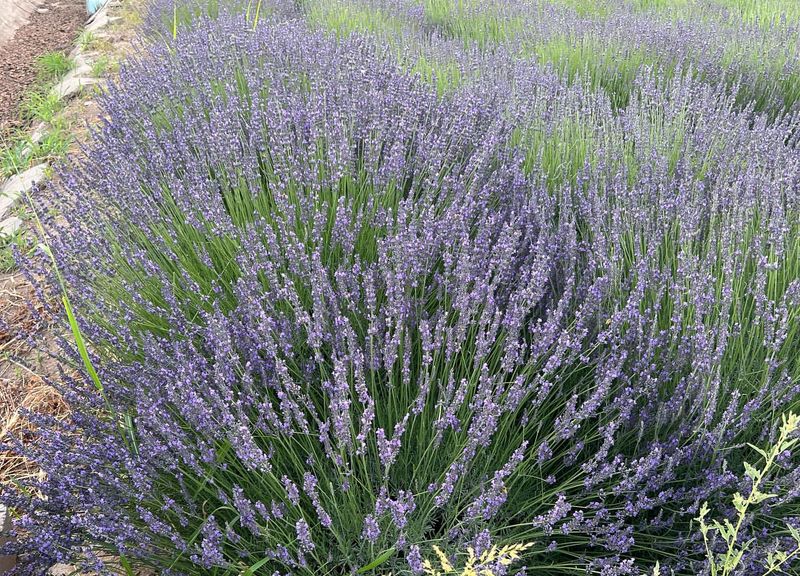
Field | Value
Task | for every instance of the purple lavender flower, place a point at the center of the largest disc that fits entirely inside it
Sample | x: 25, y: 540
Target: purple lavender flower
x: 371, y: 529
x: 211, y: 554
x: 293, y: 257
x: 304, y: 535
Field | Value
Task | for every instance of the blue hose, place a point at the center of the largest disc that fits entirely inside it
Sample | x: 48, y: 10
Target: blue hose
x: 93, y: 6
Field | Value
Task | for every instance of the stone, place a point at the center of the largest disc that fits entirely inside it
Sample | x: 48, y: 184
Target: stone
x: 72, y: 84
x: 82, y: 60
x: 98, y: 21
x: 81, y: 70
x: 18, y: 185
x: 6, y: 562
x: 61, y: 570
x: 39, y: 132
x: 10, y: 226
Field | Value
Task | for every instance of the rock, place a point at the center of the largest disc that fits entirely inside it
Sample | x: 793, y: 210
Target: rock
x: 10, y: 226
x: 61, y: 570
x: 72, y: 84
x: 81, y: 69
x: 99, y: 13
x: 39, y: 132
x: 82, y: 59
x: 6, y: 562
x: 18, y: 185
x: 99, y: 20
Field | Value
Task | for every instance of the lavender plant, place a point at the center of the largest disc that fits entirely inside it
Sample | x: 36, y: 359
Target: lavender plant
x: 336, y: 317
x: 605, y: 42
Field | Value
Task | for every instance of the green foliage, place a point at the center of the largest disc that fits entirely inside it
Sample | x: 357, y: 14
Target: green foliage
x: 53, y: 65
x: 15, y: 155
x: 103, y: 64
x: 765, y: 13
x: 558, y: 153
x: 445, y: 75
x: 54, y: 144
x: 345, y: 18
x: 727, y: 562
x: 658, y: 5
x: 587, y: 8
x: 184, y: 14
x: 472, y: 21
x: 19, y: 152
x: 477, y: 565
x: 20, y: 241
x: 41, y: 105
x: 86, y: 40
x: 607, y: 64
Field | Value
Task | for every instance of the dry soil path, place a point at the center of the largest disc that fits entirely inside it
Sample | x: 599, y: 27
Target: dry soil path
x: 29, y: 29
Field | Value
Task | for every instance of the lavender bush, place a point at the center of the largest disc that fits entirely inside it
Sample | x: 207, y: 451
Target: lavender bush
x: 604, y: 42
x: 339, y: 316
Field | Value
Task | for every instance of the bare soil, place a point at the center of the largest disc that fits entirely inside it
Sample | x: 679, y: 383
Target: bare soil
x: 52, y: 30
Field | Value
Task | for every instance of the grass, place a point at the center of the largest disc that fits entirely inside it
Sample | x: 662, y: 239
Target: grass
x: 445, y: 75
x: 15, y: 155
x: 764, y: 13
x: 606, y: 64
x: 586, y: 8
x: 41, y: 105
x: 660, y: 4
x: 18, y: 152
x: 559, y: 154
x: 18, y: 242
x: 764, y: 76
x: 103, y: 64
x: 344, y: 19
x: 53, y: 65
x: 472, y: 21
x: 54, y: 144
x: 86, y: 40
x: 347, y: 18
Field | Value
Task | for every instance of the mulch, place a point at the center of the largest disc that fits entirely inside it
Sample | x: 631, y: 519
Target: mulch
x: 50, y: 31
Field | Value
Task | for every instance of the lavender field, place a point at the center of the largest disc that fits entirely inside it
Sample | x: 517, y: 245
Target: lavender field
x: 480, y: 288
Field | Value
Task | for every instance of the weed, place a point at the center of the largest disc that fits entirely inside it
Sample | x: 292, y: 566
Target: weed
x: 54, y: 144
x: 53, y: 65
x: 87, y: 39
x: 15, y: 155
x: 102, y: 65
x: 19, y: 242
x: 734, y: 547
x: 41, y: 105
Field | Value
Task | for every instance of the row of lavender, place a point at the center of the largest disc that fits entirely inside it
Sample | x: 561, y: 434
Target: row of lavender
x: 338, y: 315
x: 608, y: 42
